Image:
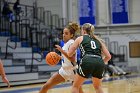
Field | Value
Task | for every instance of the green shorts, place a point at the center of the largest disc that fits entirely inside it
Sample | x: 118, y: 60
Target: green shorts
x: 91, y: 66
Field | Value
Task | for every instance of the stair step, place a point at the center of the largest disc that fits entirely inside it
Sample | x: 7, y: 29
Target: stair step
x: 25, y: 44
x: 44, y: 74
x: 49, y: 68
x: 21, y: 77
x: 14, y: 69
x: 9, y: 55
x: 26, y: 55
x: 12, y: 44
x: 36, y: 49
x: 19, y: 62
x: 17, y: 50
x: 5, y: 33
x: 35, y: 62
x: 24, y: 82
x: 15, y: 39
x: 7, y: 62
x: 34, y: 68
x: 3, y: 39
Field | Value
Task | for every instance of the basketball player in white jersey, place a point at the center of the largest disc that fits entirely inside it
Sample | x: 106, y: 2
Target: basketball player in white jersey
x: 3, y: 75
x: 67, y: 71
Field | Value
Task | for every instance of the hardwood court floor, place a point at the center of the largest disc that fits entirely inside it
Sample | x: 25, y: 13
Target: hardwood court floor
x: 123, y: 84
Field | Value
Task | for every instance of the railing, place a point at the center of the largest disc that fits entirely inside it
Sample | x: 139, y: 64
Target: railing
x: 25, y: 30
x: 114, y: 47
x: 25, y: 9
x: 8, y: 46
x: 40, y: 12
x: 43, y: 35
x: 5, y: 24
x: 62, y: 22
x: 120, y: 51
x: 47, y: 18
x: 29, y: 29
x: 123, y: 51
x: 55, y: 20
x: 33, y: 58
x: 107, y: 42
x: 12, y: 33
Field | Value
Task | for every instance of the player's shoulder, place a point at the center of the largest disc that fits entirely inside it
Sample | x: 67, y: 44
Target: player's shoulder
x: 79, y: 39
x: 70, y: 41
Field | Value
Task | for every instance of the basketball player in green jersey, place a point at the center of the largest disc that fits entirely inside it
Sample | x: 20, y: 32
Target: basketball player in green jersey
x: 91, y: 64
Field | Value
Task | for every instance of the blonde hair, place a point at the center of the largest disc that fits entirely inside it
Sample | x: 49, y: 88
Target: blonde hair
x: 89, y: 28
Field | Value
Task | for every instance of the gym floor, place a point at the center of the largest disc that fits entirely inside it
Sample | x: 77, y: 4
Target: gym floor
x: 116, y: 84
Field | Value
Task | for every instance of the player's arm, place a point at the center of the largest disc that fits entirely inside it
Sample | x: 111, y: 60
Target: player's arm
x: 72, y: 59
x: 106, y: 53
x: 2, y: 73
x: 74, y: 46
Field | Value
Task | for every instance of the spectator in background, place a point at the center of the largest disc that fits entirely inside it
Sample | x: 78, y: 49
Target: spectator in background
x: 115, y: 69
x: 17, y: 8
x: 2, y: 73
x: 7, y: 12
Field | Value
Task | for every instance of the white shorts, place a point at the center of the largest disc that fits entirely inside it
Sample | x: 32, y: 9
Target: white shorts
x: 68, y: 75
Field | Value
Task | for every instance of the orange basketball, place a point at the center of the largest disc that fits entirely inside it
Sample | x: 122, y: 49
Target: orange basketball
x: 52, y: 58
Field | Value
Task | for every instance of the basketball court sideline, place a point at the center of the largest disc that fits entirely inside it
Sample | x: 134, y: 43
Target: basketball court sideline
x: 121, y: 84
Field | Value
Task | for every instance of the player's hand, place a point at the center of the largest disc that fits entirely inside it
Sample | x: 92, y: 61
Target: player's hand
x: 58, y: 47
x: 4, y: 79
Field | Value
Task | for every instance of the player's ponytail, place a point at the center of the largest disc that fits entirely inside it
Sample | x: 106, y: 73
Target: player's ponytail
x: 89, y: 28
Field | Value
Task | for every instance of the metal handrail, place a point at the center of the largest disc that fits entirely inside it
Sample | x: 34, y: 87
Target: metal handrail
x: 40, y: 12
x: 32, y: 43
x: 125, y: 51
x: 116, y: 49
x: 7, y: 42
x: 47, y: 18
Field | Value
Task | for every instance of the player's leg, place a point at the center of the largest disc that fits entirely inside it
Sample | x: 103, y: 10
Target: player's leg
x: 97, y: 85
x: 78, y: 81
x: 81, y: 90
x: 54, y: 80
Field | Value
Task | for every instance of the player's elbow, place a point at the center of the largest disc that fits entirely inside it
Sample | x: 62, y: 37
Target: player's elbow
x: 69, y: 54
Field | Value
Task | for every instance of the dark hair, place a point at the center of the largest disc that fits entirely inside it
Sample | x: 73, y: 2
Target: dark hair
x: 73, y: 27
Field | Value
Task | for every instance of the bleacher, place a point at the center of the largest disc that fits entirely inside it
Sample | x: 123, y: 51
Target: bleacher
x: 120, y: 57
x: 25, y: 42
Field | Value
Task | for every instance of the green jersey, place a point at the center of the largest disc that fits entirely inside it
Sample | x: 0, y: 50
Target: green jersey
x: 91, y: 63
x: 90, y: 45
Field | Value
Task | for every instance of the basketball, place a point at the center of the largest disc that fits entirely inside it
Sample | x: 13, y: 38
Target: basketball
x: 52, y: 58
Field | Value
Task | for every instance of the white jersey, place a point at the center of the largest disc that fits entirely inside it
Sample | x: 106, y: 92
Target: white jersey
x: 67, y: 69
x: 66, y: 62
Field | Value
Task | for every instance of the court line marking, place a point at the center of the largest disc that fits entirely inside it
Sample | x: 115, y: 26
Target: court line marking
x: 67, y: 84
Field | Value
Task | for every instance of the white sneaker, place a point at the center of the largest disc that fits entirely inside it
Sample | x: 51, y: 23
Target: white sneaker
x: 106, y: 76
